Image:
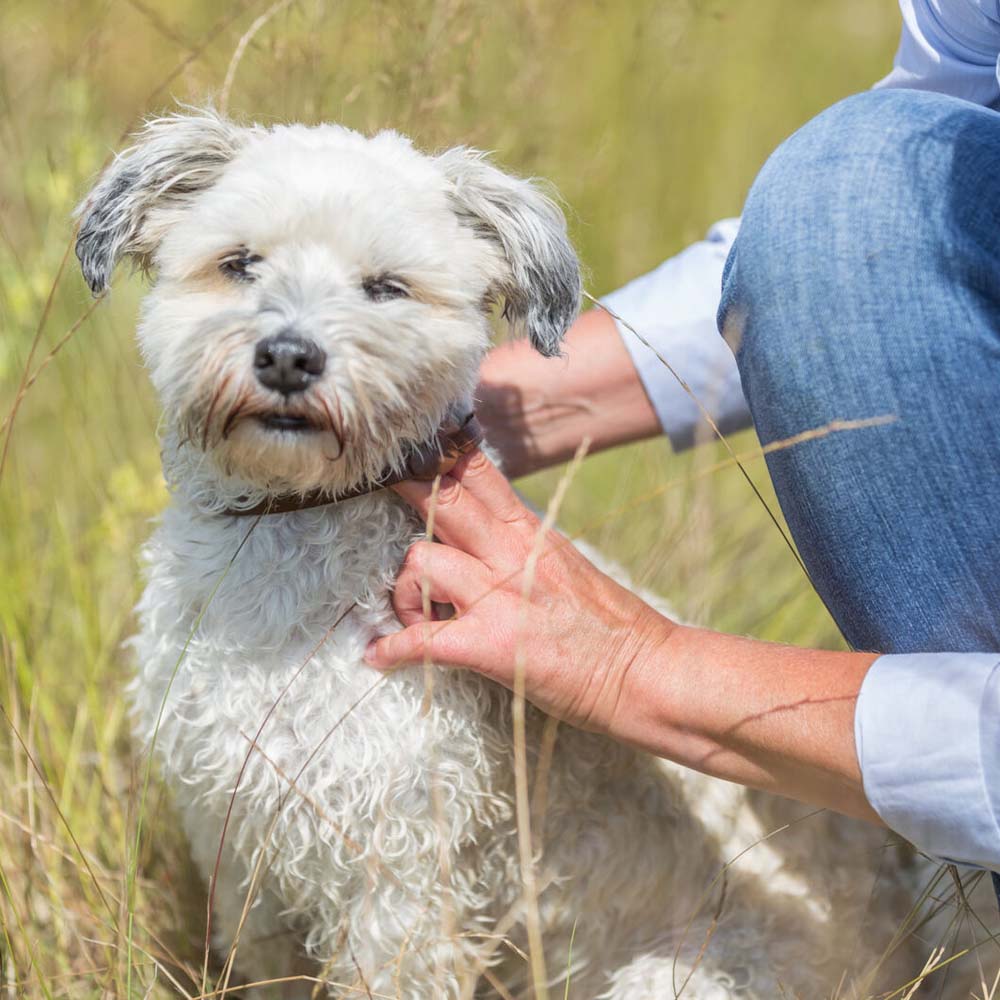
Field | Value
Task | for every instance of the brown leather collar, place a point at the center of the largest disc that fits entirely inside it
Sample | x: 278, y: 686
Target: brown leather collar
x: 436, y: 458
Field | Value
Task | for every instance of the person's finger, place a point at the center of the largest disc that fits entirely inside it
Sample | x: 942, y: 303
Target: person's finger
x: 451, y: 577
x: 449, y: 643
x: 463, y: 521
x: 491, y: 488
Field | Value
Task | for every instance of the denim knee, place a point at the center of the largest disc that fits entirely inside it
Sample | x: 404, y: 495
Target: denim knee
x: 850, y: 224
x: 865, y: 283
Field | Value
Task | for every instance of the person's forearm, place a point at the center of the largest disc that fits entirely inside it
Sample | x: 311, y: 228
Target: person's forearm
x: 536, y: 410
x: 779, y: 718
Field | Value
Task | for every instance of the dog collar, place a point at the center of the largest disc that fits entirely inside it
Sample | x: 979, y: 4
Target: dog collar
x: 435, y: 458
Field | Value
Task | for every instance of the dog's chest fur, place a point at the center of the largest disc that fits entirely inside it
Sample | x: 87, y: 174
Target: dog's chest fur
x: 275, y: 639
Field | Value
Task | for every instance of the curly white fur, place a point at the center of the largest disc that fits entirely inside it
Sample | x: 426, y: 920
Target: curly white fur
x: 373, y: 828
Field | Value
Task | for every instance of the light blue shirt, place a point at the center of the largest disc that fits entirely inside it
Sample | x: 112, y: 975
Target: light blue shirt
x: 927, y: 726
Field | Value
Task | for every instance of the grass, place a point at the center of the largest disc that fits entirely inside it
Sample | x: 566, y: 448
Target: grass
x: 650, y: 117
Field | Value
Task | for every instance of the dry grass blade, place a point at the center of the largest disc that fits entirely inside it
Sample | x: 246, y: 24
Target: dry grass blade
x: 523, y: 802
x: 499, y: 937
x: 990, y: 992
x: 502, y: 990
x: 45, y: 362
x: 55, y: 805
x: 262, y: 984
x: 931, y: 963
x: 540, y: 793
x: 196, y: 53
x: 569, y: 958
x: 425, y: 601
x: 26, y: 369
x: 241, y: 48
x: 361, y: 975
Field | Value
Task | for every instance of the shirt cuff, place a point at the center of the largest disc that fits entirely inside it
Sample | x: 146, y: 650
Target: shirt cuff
x: 674, y: 308
x: 927, y: 731
x: 950, y: 51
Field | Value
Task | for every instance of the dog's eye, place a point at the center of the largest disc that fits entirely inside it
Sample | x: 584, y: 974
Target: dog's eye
x: 385, y: 287
x: 237, y: 265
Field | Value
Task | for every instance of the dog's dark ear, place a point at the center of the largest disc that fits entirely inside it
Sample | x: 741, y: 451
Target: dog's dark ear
x: 541, y: 287
x: 172, y: 159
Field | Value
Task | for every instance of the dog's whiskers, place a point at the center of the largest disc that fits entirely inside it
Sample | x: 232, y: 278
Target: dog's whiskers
x: 237, y: 410
x: 343, y: 428
x: 216, y: 396
x: 335, y: 429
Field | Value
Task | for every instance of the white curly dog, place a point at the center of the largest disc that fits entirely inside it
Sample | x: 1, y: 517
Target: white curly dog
x: 321, y: 306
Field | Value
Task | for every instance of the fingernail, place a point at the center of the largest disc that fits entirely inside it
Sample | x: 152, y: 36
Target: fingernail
x: 370, y: 652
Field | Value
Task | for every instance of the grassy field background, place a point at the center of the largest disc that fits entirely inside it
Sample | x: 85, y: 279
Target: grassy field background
x: 651, y: 118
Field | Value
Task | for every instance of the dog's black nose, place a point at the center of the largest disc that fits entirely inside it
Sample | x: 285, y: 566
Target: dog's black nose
x: 288, y: 363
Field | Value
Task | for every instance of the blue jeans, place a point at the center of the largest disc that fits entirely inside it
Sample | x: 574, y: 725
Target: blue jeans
x: 865, y: 280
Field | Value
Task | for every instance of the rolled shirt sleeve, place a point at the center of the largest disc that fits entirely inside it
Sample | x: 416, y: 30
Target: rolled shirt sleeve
x: 950, y: 47
x: 927, y: 731
x: 674, y: 309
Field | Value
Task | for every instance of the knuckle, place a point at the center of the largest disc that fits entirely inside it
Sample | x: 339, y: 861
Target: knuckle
x: 522, y: 533
x: 476, y: 462
x: 521, y: 518
x: 448, y: 495
x: 417, y: 556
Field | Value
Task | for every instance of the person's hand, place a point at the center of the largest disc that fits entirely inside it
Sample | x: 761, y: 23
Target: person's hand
x: 575, y: 634
x: 594, y: 655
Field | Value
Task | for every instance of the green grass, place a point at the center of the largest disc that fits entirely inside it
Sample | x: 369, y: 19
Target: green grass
x: 651, y: 118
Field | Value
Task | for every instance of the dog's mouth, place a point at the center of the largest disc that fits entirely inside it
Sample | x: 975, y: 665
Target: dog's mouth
x: 281, y: 423
x: 294, y: 423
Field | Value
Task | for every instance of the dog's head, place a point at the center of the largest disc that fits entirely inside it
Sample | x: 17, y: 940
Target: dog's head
x: 322, y: 299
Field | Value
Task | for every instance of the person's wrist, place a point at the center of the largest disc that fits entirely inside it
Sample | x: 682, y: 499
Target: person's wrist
x: 632, y: 668
x: 505, y: 426
x: 506, y: 397
x: 537, y: 410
